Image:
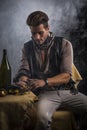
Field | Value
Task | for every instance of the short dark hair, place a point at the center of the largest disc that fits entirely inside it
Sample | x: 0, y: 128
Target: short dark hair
x: 36, y: 18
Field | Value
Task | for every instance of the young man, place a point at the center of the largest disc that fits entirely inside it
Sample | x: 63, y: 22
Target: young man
x: 47, y: 65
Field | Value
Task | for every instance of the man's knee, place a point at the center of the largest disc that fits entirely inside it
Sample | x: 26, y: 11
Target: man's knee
x: 43, y: 110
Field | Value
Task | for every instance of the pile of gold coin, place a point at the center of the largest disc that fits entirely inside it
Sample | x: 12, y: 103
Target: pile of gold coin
x: 3, y: 92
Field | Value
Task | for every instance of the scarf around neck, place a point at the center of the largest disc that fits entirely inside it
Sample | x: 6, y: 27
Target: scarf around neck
x: 45, y: 49
x: 46, y: 43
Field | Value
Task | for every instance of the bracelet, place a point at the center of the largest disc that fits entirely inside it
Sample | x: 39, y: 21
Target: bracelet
x: 46, y: 82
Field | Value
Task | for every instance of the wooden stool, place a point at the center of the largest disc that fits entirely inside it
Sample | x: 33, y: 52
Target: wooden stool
x: 63, y: 120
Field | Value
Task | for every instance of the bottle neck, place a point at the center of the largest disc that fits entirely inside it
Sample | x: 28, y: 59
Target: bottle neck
x: 4, y: 51
x: 5, y: 61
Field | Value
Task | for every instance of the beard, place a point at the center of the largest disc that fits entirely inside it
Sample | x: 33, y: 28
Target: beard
x: 44, y: 44
x: 41, y: 41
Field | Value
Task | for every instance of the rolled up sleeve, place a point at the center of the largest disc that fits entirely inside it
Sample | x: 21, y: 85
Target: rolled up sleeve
x: 24, y: 69
x: 66, y: 57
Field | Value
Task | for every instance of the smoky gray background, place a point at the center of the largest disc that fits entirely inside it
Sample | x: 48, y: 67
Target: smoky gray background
x: 14, y: 32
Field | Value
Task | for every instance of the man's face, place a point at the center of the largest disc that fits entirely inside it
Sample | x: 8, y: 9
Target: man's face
x: 39, y: 33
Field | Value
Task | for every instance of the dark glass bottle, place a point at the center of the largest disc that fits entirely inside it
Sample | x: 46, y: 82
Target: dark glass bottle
x: 5, y: 71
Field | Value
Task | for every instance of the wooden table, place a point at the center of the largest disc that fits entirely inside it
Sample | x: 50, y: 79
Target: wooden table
x: 17, y: 112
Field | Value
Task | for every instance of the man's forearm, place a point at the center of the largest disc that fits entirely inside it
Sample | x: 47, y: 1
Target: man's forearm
x: 62, y: 78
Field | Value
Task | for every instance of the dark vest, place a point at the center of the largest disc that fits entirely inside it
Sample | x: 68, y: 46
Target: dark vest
x: 55, y: 57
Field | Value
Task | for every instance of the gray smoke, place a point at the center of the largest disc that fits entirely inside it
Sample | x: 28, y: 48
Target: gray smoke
x: 13, y: 29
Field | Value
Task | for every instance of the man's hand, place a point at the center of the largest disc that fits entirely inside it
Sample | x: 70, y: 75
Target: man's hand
x: 36, y: 83
x: 23, y: 82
